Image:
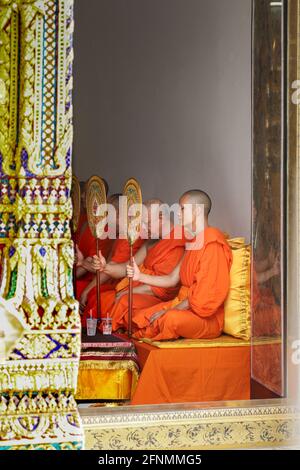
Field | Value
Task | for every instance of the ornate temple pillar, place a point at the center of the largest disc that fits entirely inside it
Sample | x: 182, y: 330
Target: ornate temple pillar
x: 39, y: 320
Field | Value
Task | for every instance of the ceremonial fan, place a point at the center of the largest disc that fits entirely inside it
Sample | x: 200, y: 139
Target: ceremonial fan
x: 96, y: 207
x: 132, y: 191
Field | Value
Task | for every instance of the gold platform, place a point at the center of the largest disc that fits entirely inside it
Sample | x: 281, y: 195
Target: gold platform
x: 106, y: 380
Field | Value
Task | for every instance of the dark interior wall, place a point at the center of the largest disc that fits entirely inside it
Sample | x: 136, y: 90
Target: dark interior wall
x: 162, y: 92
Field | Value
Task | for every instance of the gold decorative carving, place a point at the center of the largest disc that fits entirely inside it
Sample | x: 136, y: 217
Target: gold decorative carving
x: 35, y: 211
x: 166, y: 427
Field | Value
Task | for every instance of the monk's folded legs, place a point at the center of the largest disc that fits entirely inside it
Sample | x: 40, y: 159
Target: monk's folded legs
x: 120, y: 309
x: 181, y: 324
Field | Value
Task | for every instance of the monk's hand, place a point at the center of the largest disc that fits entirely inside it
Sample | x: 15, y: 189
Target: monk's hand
x: 98, y: 262
x: 79, y: 258
x: 156, y: 316
x: 88, y: 264
x: 133, y: 271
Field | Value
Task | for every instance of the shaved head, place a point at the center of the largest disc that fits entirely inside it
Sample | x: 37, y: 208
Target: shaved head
x: 196, y: 196
x: 155, y: 216
x: 82, y: 185
x: 161, y: 206
x: 114, y: 199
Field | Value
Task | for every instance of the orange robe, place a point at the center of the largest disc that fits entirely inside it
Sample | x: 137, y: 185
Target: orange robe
x: 87, y: 245
x: 81, y: 226
x: 120, y: 254
x: 161, y: 259
x: 205, y: 282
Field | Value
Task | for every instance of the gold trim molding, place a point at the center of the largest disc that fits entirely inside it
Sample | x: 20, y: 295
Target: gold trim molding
x: 213, y: 426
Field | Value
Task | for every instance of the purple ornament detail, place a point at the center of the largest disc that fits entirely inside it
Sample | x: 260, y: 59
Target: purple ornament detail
x: 57, y: 346
x: 42, y: 251
x: 16, y: 351
x: 29, y: 427
x: 12, y: 251
x: 69, y: 73
x: 1, y: 163
x: 68, y: 158
x: 24, y: 162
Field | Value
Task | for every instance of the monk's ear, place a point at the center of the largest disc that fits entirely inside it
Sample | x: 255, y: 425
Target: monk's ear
x: 200, y: 210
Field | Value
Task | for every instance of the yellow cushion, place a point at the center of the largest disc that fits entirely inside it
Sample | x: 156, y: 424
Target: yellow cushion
x: 237, y: 305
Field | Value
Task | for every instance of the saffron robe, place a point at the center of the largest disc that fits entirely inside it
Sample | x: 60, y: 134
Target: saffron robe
x: 161, y: 259
x: 120, y: 254
x: 81, y: 226
x: 87, y: 245
x: 205, y: 279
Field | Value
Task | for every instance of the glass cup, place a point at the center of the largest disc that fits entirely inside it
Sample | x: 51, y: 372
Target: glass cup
x: 107, y: 325
x: 91, y: 324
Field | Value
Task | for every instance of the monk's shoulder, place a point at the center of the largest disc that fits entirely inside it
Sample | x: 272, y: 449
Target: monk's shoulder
x: 214, y: 235
x: 177, y: 236
x: 216, y: 242
x: 121, y: 243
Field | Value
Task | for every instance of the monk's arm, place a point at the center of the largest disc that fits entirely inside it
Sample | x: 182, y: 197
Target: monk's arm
x: 184, y: 305
x: 212, y: 281
x: 103, y: 279
x: 84, y: 268
x: 265, y: 276
x: 141, y: 289
x: 169, y: 280
x: 262, y: 265
x: 80, y: 272
x: 118, y: 270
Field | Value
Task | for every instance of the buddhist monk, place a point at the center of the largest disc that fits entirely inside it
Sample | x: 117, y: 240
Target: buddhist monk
x: 120, y: 253
x: 158, y: 256
x: 85, y: 249
x: 198, y: 311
